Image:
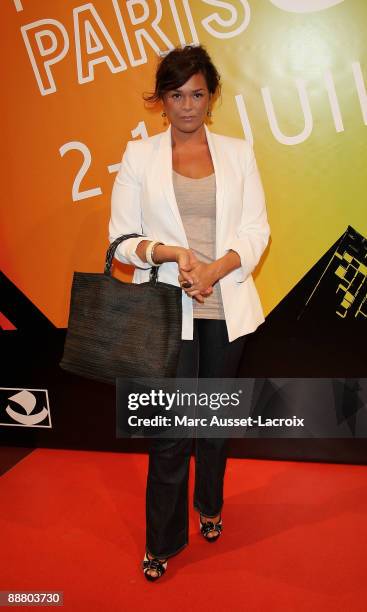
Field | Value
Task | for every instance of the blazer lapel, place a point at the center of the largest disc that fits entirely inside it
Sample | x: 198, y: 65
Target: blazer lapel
x: 165, y: 172
x: 218, y: 164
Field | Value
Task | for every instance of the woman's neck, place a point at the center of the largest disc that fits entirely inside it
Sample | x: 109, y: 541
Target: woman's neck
x: 179, y: 138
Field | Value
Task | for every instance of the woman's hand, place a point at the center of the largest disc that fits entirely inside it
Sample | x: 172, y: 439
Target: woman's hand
x: 187, y: 262
x: 202, y: 277
x: 185, y: 259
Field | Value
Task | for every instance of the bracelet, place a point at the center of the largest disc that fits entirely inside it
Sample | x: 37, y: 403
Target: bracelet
x: 152, y: 253
x: 149, y: 252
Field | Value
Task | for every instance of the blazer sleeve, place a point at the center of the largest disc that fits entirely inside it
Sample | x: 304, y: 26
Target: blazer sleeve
x: 253, y: 233
x: 126, y: 209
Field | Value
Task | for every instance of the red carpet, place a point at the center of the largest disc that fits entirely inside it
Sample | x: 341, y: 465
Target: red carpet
x: 294, y: 537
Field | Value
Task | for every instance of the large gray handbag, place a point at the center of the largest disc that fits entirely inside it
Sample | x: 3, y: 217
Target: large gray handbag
x: 121, y: 329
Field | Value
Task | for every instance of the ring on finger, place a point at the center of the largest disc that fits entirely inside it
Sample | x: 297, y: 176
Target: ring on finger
x: 186, y: 284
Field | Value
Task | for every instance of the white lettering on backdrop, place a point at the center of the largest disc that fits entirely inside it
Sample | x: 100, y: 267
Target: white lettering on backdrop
x: 94, y: 43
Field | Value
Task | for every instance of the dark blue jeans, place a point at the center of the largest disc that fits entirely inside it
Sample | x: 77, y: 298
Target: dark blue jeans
x: 208, y: 355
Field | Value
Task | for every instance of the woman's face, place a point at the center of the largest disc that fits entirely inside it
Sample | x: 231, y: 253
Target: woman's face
x: 187, y: 106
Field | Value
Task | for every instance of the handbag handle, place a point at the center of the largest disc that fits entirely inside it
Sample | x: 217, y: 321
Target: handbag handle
x: 153, y: 276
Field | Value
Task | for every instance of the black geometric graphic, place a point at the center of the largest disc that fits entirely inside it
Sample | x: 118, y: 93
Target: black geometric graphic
x: 344, y: 280
x: 305, y: 335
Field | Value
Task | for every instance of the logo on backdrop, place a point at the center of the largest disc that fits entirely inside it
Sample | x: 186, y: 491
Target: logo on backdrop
x: 304, y: 6
x: 24, y: 407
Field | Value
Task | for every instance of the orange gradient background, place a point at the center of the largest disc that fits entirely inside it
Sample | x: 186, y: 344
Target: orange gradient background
x: 314, y: 189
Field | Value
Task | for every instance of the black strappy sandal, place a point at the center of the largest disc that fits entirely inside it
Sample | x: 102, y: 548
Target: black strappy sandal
x: 205, y: 528
x: 153, y: 564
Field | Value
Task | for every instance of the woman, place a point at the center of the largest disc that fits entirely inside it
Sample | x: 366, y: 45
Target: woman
x: 197, y: 199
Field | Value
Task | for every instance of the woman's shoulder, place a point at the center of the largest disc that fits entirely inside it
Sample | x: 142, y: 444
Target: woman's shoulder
x: 231, y: 141
x: 234, y: 148
x: 148, y: 142
x: 140, y: 150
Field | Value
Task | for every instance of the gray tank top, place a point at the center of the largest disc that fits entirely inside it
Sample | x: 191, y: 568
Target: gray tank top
x: 196, y: 202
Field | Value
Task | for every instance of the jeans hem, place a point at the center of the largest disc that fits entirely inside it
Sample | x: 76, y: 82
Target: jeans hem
x: 167, y: 555
x: 207, y: 515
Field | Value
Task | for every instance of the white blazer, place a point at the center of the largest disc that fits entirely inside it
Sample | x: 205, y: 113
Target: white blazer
x: 143, y: 202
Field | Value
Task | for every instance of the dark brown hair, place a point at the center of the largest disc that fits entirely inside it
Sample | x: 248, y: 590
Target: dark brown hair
x: 175, y: 68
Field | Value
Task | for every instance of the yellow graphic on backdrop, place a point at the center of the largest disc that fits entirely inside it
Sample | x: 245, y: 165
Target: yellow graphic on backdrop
x: 353, y: 289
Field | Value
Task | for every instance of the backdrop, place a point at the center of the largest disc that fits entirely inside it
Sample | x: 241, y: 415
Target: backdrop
x: 293, y: 76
